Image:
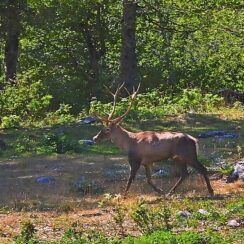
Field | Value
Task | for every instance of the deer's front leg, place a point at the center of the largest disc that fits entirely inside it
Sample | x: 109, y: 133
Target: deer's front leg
x: 135, y: 163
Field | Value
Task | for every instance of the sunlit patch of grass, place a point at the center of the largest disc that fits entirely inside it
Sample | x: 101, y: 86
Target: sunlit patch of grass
x: 26, y: 141
x: 235, y: 112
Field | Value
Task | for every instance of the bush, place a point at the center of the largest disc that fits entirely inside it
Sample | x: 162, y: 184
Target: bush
x: 186, y: 237
x: 191, y: 237
x: 28, y: 101
x: 60, y: 116
x: 155, y: 238
x: 27, y: 234
x: 11, y: 121
x: 150, y: 220
x: 60, y: 143
x: 153, y: 104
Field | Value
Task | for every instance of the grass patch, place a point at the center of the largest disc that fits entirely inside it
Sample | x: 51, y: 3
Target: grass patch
x: 25, y: 142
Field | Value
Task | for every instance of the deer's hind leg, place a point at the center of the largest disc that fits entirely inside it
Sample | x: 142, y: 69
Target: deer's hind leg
x: 149, y: 179
x: 203, y: 171
x: 184, y: 174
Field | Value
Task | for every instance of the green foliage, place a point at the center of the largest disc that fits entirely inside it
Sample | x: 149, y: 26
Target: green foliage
x: 193, y: 100
x: 61, y: 116
x: 11, y: 121
x: 27, y: 234
x: 213, y: 237
x: 26, y: 100
x: 70, y: 49
x: 60, y: 143
x: 227, y: 168
x: 150, y: 220
x: 50, y: 142
x: 25, y: 143
x: 157, y: 237
x: 186, y: 237
x: 155, y: 218
x: 73, y: 235
x: 236, y: 207
x: 118, y: 211
x: 97, y: 238
x: 191, y: 237
x: 76, y: 236
x: 154, y: 104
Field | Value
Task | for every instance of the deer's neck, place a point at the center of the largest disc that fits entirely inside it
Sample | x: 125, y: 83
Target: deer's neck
x: 122, y: 138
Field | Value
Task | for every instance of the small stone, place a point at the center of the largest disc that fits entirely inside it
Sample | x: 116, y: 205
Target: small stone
x: 45, y: 179
x: 88, y: 120
x: 161, y: 172
x: 184, y: 213
x: 216, y: 176
x: 87, y: 142
x: 233, y: 223
x: 203, y: 212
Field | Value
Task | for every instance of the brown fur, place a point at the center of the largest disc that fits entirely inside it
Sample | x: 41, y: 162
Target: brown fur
x: 145, y: 148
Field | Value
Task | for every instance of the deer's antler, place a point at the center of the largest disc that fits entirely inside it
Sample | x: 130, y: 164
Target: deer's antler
x: 108, y: 119
x: 115, y: 96
x: 132, y: 98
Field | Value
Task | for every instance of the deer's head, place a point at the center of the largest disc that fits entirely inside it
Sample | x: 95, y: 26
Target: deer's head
x: 109, y: 123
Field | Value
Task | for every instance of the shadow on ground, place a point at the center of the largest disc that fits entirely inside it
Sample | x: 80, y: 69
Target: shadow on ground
x: 20, y: 189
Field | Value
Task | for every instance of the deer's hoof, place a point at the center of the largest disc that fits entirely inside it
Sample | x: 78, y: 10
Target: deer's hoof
x: 168, y: 195
x: 211, y: 195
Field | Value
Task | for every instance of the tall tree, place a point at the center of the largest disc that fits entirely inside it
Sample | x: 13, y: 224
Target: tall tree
x: 13, y: 9
x: 128, y: 61
x: 93, y: 33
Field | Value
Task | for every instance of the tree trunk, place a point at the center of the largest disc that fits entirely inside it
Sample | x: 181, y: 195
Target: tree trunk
x: 96, y: 49
x: 12, y: 40
x: 128, y: 62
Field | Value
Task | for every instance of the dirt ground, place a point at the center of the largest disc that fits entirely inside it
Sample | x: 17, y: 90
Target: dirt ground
x: 54, y: 206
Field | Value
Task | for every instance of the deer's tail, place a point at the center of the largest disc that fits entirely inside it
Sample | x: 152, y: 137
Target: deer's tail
x: 197, y: 146
x: 196, y: 143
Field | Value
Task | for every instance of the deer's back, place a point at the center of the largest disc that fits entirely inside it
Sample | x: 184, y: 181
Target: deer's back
x: 155, y: 146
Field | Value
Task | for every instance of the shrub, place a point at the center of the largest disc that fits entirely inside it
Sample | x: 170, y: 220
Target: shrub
x: 27, y: 234
x: 226, y: 169
x: 153, y: 104
x: 60, y: 116
x: 157, y: 237
x: 60, y: 143
x: 25, y: 99
x: 72, y: 236
x: 11, y: 121
x: 150, y: 220
x: 191, y: 237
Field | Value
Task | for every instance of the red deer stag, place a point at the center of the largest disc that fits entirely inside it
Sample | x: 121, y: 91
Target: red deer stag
x: 146, y: 147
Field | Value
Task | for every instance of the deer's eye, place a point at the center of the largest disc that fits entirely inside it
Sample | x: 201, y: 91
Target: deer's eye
x: 107, y: 130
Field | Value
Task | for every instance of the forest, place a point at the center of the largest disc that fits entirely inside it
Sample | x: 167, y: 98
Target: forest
x: 64, y: 52
x: 60, y: 62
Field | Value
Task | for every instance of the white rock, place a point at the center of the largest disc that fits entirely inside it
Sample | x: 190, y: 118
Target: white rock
x: 233, y: 223
x: 184, y: 213
x: 239, y: 169
x: 203, y: 212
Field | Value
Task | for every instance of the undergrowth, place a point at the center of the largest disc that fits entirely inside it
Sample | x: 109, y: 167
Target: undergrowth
x: 157, y: 223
